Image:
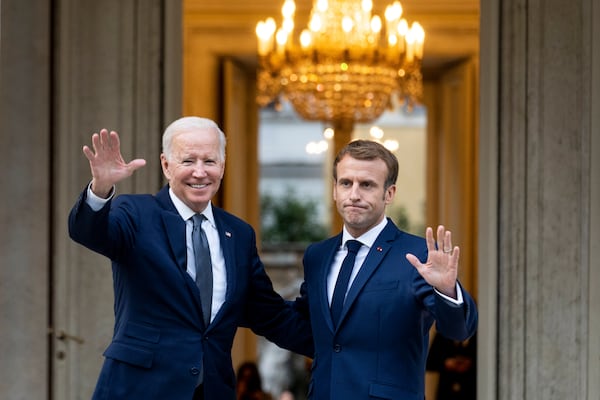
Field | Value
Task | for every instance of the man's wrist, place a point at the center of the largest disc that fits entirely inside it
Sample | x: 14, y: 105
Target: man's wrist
x: 456, y: 299
x: 102, y: 191
x: 96, y: 202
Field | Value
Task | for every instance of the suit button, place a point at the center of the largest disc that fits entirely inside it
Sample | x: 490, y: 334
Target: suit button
x: 337, y: 348
x: 194, y: 371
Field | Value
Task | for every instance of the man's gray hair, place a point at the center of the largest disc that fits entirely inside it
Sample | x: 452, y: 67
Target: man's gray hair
x: 187, y: 124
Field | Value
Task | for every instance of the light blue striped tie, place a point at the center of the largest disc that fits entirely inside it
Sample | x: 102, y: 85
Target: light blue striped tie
x: 204, y: 279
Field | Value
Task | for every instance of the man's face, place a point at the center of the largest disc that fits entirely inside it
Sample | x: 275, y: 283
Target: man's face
x: 194, y: 169
x: 359, y: 193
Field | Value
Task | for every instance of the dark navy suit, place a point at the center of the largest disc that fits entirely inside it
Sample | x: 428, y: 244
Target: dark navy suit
x: 159, y: 342
x: 380, y: 346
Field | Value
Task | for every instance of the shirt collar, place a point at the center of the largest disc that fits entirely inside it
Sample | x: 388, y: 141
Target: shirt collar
x: 367, y: 238
x: 186, y: 213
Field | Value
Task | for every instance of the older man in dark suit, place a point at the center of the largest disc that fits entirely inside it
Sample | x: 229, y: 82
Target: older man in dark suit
x: 186, y: 273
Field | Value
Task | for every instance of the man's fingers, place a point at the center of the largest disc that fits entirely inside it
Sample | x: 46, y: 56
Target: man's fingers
x: 89, y: 154
x: 413, y: 260
x: 429, y: 239
x: 96, y: 142
x: 455, y: 256
x: 135, y: 164
x: 447, y: 242
x: 440, y: 237
x: 114, y: 141
x: 103, y: 138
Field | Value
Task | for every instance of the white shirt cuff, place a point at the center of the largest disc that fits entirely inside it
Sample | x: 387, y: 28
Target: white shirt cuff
x: 96, y: 202
x: 459, y: 296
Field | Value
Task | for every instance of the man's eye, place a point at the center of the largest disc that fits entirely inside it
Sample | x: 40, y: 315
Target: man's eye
x: 187, y: 162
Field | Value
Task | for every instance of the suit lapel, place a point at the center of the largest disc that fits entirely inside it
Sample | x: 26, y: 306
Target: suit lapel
x: 174, y: 228
x: 322, y: 280
x: 227, y: 239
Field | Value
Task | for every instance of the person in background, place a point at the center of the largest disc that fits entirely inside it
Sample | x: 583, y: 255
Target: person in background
x: 249, y: 383
x: 373, y: 291
x: 455, y: 363
x: 186, y: 273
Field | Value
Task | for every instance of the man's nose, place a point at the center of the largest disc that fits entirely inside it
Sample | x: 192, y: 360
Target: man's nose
x: 355, y: 192
x: 199, y: 169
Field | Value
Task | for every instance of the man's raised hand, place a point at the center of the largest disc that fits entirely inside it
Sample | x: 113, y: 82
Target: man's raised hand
x: 106, y: 162
x: 441, y: 268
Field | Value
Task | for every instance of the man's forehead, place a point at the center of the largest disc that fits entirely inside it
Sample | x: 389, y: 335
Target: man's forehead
x: 359, y: 175
x: 353, y: 164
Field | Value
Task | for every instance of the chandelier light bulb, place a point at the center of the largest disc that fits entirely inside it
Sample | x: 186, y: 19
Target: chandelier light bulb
x: 288, y: 9
x: 315, y: 23
x: 393, y: 12
x: 281, y: 38
x: 288, y: 25
x: 376, y: 24
x: 305, y: 39
x: 347, y: 24
x: 403, y: 27
x: 322, y: 6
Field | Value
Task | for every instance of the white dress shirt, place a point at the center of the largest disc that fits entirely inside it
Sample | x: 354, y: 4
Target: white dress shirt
x: 212, y: 235
x: 367, y: 239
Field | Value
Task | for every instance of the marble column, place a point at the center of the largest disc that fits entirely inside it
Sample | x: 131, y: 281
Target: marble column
x: 543, y: 252
x: 66, y: 72
x: 25, y: 210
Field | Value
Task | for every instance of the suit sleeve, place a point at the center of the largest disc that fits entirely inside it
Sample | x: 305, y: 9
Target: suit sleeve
x: 107, y: 231
x: 269, y: 315
x: 456, y: 322
x: 453, y: 321
x: 88, y: 227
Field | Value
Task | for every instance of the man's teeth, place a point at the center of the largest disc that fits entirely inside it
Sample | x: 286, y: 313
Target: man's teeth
x: 198, y: 186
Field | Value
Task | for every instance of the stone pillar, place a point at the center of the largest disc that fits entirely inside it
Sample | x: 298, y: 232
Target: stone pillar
x: 25, y: 192
x: 547, y: 264
x: 112, y: 71
x: 65, y: 73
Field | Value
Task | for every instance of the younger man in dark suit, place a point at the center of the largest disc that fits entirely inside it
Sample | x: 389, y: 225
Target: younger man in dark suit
x: 371, y: 321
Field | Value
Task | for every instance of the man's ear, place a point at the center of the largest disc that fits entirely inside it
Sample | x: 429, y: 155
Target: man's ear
x: 164, y: 163
x: 390, y: 192
x: 334, y: 194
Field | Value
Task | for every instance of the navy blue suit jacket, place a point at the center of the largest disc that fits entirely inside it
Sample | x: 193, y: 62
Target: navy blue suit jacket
x: 379, y: 348
x: 160, y: 343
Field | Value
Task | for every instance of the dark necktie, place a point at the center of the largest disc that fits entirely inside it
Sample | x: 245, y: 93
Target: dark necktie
x: 204, y: 279
x: 341, y: 285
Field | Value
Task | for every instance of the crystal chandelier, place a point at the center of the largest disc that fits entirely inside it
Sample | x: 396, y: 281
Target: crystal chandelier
x: 345, y: 67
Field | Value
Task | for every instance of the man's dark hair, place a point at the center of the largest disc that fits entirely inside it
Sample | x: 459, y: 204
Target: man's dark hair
x: 369, y: 150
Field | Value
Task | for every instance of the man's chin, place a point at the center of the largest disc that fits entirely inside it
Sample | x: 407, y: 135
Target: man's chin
x: 353, y: 219
x: 197, y: 203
